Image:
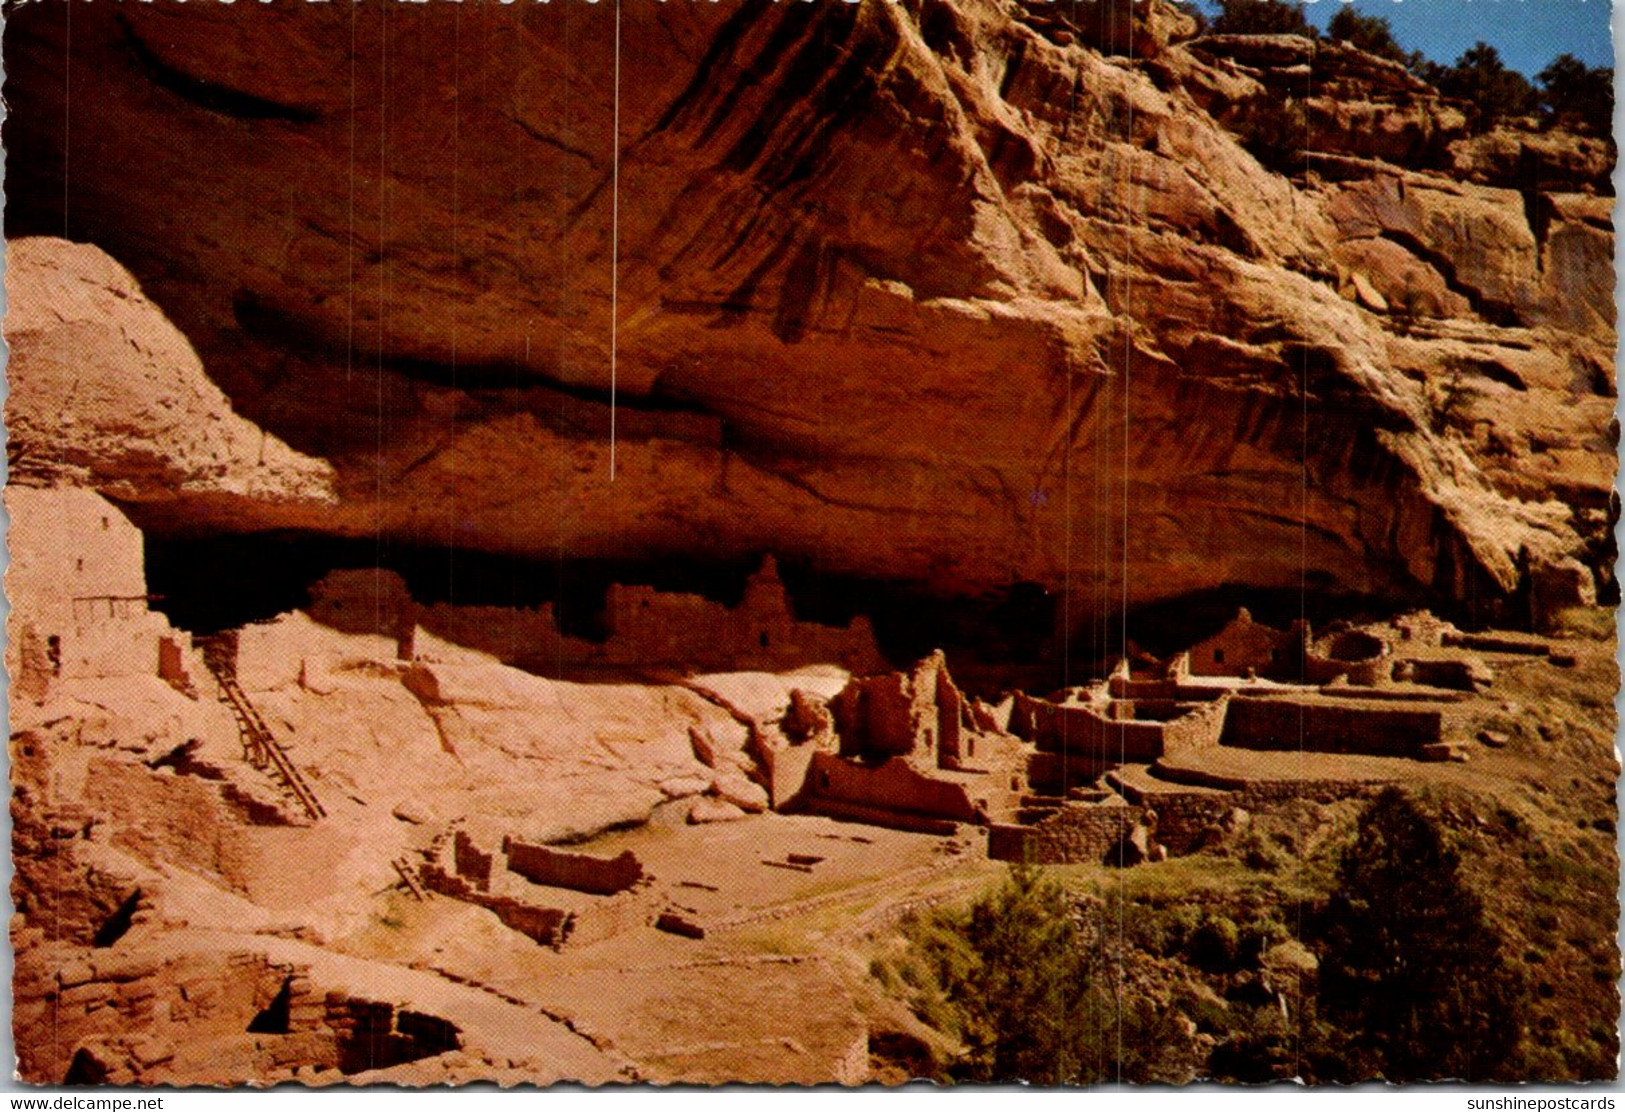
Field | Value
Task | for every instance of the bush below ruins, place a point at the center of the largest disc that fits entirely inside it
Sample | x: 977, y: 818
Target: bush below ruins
x: 1013, y: 979
x: 1374, y: 954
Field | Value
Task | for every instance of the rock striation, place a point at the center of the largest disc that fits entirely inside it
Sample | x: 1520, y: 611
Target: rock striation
x: 946, y: 293
x: 106, y: 393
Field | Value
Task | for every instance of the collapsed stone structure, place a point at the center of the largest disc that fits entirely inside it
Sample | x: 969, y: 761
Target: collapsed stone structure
x: 909, y: 749
x: 1384, y: 692
x: 78, y: 592
x: 550, y: 895
x: 648, y: 630
x: 1053, y: 778
x: 902, y: 748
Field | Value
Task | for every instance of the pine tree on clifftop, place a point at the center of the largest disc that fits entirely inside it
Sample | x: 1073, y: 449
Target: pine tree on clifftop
x: 1261, y: 17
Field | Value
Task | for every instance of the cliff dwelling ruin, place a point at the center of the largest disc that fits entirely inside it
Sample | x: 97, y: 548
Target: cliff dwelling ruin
x: 349, y: 726
x: 646, y: 630
x: 615, y: 606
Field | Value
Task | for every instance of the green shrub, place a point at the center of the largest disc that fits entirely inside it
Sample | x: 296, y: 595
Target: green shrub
x: 1259, y: 1051
x: 1411, y: 971
x: 1371, y: 33
x: 1011, y: 979
x: 1215, y: 945
x: 1164, y: 932
x: 1211, y: 1016
x: 1261, y: 17
x: 1492, y: 91
x: 1257, y: 936
x: 1577, y: 96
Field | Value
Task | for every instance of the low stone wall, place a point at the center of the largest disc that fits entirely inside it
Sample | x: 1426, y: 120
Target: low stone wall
x: 1078, y: 833
x: 472, y: 863
x: 1489, y: 642
x: 1086, y: 833
x: 1419, y: 693
x: 581, y: 872
x: 1333, y: 726
x: 1185, y: 820
x: 1085, y: 730
x: 891, y: 786
x: 1259, y: 796
x: 1267, y: 791
x: 546, y: 926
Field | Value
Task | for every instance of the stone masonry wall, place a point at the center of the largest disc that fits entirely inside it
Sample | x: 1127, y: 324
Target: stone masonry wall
x: 1334, y: 726
x: 1085, y: 730
x: 1078, y: 833
x: 892, y: 786
x: 582, y: 872
x: 1084, y: 833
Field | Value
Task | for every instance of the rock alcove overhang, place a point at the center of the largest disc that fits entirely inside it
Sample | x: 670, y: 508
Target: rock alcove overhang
x: 1013, y: 638
x: 888, y: 304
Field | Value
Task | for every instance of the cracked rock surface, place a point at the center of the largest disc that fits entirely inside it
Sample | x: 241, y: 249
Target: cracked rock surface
x: 950, y: 294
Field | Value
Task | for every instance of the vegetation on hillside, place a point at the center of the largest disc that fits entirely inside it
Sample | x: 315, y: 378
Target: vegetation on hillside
x: 1567, y: 93
x: 1479, y: 77
x: 1363, y: 951
x: 1414, y: 984
x: 1262, y: 17
x: 1371, y: 33
x: 1015, y: 981
x: 1577, y: 96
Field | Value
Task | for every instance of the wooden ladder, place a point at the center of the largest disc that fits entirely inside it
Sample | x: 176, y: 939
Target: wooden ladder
x: 410, y: 877
x: 260, y: 747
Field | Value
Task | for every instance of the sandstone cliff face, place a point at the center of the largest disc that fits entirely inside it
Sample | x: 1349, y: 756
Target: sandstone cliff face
x: 106, y: 393
x: 946, y: 293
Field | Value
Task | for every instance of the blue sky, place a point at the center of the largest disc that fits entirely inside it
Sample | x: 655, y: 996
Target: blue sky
x: 1528, y: 33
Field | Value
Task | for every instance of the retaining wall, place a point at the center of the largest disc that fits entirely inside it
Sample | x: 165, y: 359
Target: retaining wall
x: 892, y: 786
x: 1086, y: 731
x: 581, y: 872
x: 1086, y: 833
x: 1078, y: 833
x: 1333, y: 726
